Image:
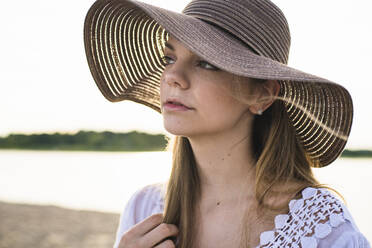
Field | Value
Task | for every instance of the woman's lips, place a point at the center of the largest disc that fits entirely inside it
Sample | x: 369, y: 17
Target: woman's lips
x: 175, y: 107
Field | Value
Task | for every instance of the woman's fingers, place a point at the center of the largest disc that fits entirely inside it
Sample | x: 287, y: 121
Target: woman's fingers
x: 160, y: 233
x: 166, y: 244
x: 148, y: 233
x: 147, y: 224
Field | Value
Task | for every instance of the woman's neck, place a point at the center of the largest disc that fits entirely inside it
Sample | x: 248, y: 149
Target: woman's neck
x: 225, y: 164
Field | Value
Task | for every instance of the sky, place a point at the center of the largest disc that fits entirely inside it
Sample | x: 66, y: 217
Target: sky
x: 46, y: 85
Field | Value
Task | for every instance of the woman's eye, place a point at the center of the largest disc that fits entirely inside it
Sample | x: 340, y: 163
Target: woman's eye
x: 167, y: 60
x: 207, y: 66
x: 204, y: 64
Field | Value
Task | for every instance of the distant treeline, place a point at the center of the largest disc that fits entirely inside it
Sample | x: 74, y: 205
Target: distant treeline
x: 105, y: 141
x: 87, y: 141
x: 357, y: 154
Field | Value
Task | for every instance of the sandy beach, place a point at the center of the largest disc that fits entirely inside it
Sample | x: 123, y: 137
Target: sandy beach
x: 34, y: 226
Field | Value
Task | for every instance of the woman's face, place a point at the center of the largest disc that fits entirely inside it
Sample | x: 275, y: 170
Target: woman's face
x: 203, y: 88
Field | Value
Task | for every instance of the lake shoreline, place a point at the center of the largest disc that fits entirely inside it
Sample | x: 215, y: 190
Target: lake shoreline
x: 46, y: 226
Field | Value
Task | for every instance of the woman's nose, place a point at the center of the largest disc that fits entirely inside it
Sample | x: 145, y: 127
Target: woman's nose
x: 176, y: 77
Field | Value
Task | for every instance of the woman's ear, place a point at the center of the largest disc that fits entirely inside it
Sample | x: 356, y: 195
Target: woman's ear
x: 267, y: 93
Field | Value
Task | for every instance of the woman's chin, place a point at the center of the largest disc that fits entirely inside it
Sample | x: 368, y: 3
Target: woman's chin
x: 179, y: 130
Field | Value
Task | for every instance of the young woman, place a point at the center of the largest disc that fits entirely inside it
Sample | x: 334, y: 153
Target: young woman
x: 247, y: 128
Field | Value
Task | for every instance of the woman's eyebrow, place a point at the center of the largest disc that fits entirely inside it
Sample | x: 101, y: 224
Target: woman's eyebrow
x: 169, y: 46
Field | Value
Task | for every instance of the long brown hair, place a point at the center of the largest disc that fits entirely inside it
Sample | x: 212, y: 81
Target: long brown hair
x: 280, y: 159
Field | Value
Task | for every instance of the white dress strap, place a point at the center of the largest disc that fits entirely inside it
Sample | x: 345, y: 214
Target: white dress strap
x: 316, y: 220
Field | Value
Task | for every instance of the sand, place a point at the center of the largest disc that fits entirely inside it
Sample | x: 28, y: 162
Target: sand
x: 34, y: 226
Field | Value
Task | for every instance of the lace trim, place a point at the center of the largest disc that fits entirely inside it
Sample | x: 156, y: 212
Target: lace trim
x: 310, y: 218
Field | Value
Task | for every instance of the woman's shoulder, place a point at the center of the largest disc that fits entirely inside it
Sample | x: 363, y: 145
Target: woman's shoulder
x: 317, y: 219
x: 147, y: 201
x: 151, y: 190
x: 144, y: 202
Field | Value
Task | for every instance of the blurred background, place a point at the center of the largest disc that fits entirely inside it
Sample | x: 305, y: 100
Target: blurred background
x: 59, y: 191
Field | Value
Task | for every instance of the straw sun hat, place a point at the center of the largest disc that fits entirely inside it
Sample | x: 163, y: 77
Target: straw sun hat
x: 124, y: 42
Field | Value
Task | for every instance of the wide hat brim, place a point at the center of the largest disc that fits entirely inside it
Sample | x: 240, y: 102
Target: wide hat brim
x: 124, y: 42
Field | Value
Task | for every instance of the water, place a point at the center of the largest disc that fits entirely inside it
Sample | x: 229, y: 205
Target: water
x: 83, y: 180
x: 104, y: 181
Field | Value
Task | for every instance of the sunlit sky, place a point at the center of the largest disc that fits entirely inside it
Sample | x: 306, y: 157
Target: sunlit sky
x: 46, y: 85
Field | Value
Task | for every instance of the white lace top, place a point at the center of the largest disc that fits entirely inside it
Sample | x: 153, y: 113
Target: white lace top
x: 318, y: 219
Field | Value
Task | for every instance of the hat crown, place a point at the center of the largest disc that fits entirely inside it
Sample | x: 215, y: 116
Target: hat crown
x: 259, y: 24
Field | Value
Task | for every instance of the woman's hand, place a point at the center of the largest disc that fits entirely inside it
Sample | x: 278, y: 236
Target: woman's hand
x: 149, y: 233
